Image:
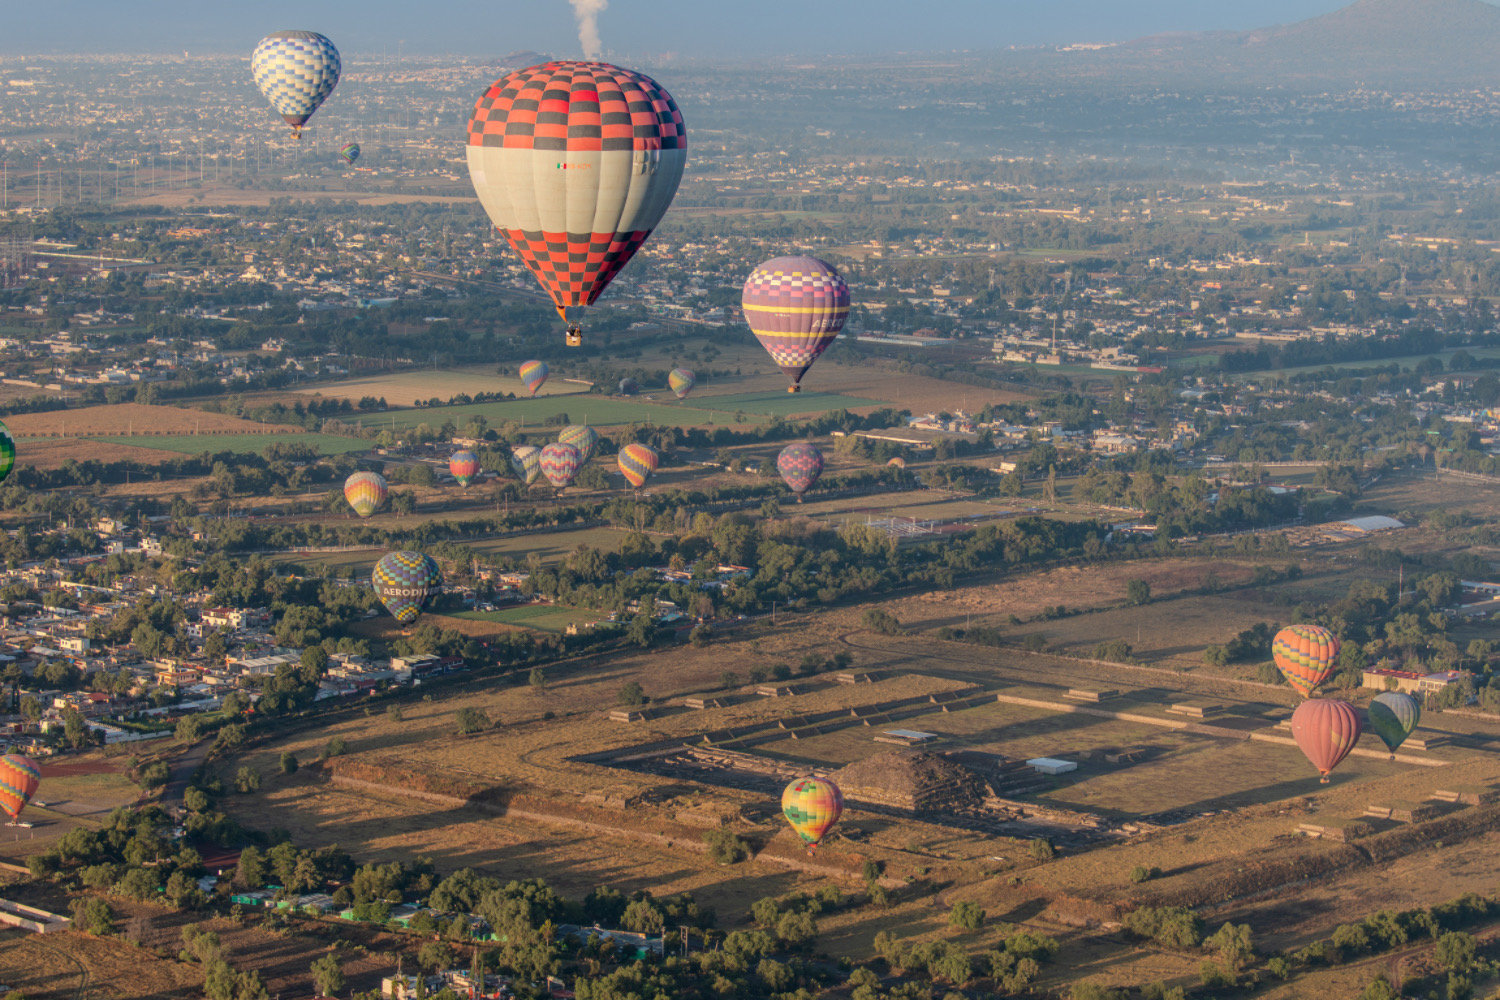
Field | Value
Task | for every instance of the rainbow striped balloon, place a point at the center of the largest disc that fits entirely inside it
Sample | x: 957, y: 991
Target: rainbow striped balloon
x: 560, y: 463
x: 533, y: 374
x: 584, y: 438
x: 19, y: 778
x: 681, y: 382
x: 812, y: 806
x: 365, y: 491
x: 1305, y: 655
x: 464, y: 466
x: 637, y: 462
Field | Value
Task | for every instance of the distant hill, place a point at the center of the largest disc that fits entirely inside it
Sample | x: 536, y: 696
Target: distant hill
x: 1415, y: 43
x: 522, y: 59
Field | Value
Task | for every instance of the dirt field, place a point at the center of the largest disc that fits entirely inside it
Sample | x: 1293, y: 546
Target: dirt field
x: 213, y: 196
x: 134, y: 418
x: 52, y: 453
x: 405, y: 388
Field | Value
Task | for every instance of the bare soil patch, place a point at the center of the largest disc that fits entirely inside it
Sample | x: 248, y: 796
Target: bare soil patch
x: 138, y: 418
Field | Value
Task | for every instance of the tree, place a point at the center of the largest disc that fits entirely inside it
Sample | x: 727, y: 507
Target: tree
x: 246, y: 780
x: 327, y: 976
x: 631, y: 695
x: 538, y: 680
x: 1138, y: 592
x: 966, y: 916
x: 288, y: 762
x: 726, y: 847
x: 74, y: 729
x: 472, y: 720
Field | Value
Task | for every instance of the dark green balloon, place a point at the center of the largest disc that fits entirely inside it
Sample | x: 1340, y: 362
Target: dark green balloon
x: 1393, y: 716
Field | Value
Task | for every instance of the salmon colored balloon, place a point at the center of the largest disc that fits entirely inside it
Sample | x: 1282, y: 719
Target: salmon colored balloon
x: 1326, y: 729
x: 812, y: 806
x: 1305, y: 655
x: 19, y: 778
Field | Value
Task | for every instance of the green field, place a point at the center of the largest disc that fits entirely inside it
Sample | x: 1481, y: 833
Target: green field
x: 197, y: 444
x: 542, y: 617
x: 601, y: 411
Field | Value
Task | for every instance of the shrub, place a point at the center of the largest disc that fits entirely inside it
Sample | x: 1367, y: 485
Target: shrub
x: 1042, y: 850
x: 472, y: 720
x: 726, y: 847
x: 288, y: 762
x: 883, y: 622
x: 966, y: 916
x: 1211, y: 975
x: 631, y: 695
x: 1141, y: 873
x: 334, y: 747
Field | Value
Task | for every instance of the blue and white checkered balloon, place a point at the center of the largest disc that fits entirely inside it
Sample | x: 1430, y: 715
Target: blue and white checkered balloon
x: 296, y: 70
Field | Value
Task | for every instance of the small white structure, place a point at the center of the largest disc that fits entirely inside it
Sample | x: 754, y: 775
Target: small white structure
x: 1051, y: 765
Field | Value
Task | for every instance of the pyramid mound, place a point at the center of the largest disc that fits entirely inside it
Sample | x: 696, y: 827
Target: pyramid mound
x: 911, y: 779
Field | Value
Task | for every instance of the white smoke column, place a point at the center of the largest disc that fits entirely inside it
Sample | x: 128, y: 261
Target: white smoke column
x: 586, y: 13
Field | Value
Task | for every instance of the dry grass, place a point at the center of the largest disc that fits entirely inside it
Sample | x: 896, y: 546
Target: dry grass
x: 51, y: 967
x: 138, y: 418
x: 405, y: 388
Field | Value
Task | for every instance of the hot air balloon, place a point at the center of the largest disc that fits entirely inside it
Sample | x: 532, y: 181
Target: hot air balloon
x: 464, y: 466
x: 1305, y: 655
x: 628, y: 387
x: 1326, y: 729
x: 7, y: 452
x: 576, y: 163
x: 795, y: 306
x: 19, y: 778
x: 296, y: 70
x: 349, y: 152
x: 637, y: 462
x: 533, y: 374
x: 404, y: 581
x: 582, y: 437
x: 681, y: 382
x: 812, y: 806
x: 896, y: 463
x: 800, y: 466
x: 526, y: 462
x: 365, y: 492
x: 1393, y: 715
x: 560, y: 463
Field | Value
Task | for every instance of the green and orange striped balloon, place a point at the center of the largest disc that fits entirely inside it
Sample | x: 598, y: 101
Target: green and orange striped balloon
x: 1305, y: 655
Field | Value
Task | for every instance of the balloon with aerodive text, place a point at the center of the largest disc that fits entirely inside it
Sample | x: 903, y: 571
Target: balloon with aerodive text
x: 404, y: 581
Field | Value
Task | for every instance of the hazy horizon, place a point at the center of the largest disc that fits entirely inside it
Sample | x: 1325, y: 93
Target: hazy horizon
x: 634, y: 28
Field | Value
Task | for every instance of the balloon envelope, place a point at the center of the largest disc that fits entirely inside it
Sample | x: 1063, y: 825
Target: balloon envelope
x: 1393, y: 716
x: 812, y: 806
x: 526, y: 462
x: 681, y: 382
x: 7, y: 452
x: 1326, y: 729
x: 365, y: 491
x: 19, y: 778
x: 349, y: 152
x: 560, y: 464
x: 582, y: 437
x: 533, y: 374
x: 800, y: 466
x: 795, y: 306
x: 1305, y: 655
x: 637, y: 462
x: 575, y: 163
x: 296, y: 71
x: 628, y: 387
x: 404, y: 581
x: 464, y: 466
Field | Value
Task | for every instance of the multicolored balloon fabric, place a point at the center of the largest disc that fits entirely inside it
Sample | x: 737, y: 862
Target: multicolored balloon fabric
x: 365, y: 491
x: 19, y: 778
x: 296, y: 71
x: 349, y: 152
x: 576, y: 163
x: 628, y: 387
x: 796, y: 307
x: 1393, y: 716
x: 526, y: 462
x: 800, y: 466
x: 681, y: 382
x: 812, y: 806
x: 1305, y: 655
x: 404, y: 581
x: 463, y: 466
x: 7, y: 452
x: 582, y: 437
x: 1326, y: 729
x: 560, y: 463
x: 637, y: 462
x: 533, y: 374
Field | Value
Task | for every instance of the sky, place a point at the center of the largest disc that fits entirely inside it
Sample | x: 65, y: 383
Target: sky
x: 639, y: 28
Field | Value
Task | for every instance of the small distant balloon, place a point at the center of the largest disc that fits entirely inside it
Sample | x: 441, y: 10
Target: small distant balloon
x: 637, y: 463
x: 296, y: 71
x: 1393, y: 717
x: 1326, y: 729
x: 349, y: 152
x: 1305, y: 655
x: 365, y: 491
x: 582, y: 437
x: 533, y: 374
x: 405, y: 580
x: 681, y: 382
x: 897, y: 463
x: 560, y: 463
x: 628, y: 387
x: 7, y: 452
x: 463, y: 466
x: 800, y: 466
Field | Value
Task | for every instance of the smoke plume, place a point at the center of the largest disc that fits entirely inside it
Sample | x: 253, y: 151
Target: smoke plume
x: 586, y: 13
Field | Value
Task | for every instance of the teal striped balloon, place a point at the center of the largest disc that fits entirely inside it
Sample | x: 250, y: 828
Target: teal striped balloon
x: 1393, y: 715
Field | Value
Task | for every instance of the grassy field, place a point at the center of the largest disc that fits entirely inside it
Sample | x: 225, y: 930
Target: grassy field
x: 542, y: 617
x: 197, y: 444
x: 405, y: 388
x: 533, y: 414
x: 784, y: 404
